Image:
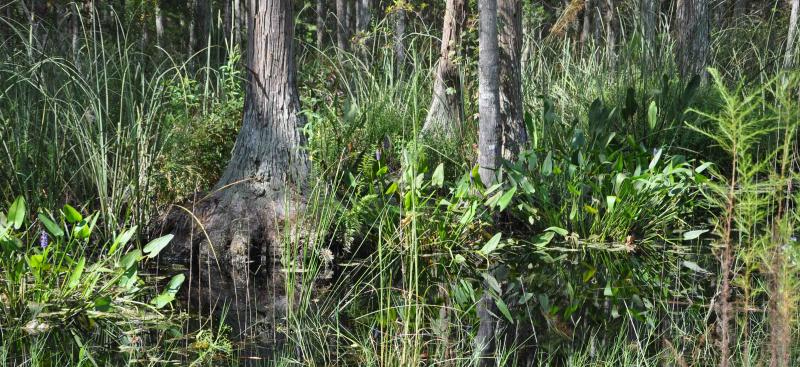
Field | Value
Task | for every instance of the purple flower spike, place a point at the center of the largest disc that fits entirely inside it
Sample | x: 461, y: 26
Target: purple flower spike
x: 44, y: 240
x: 378, y: 154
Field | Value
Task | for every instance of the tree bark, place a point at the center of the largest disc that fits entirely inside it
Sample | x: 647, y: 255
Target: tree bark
x: 693, y: 39
x: 261, y: 189
x: 201, y: 26
x: 650, y: 10
x: 486, y: 327
x: 399, y: 15
x: 364, y: 15
x: 159, y: 23
x: 514, y: 136
x: 446, y: 114
x: 321, y: 16
x: 342, y: 25
x: 489, y: 130
x: 791, y: 38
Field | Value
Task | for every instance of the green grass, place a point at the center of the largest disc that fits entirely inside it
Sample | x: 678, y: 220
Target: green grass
x: 604, y: 238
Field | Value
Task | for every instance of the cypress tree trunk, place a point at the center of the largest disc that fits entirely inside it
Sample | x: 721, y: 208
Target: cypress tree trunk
x: 514, y: 136
x: 342, y: 25
x: 649, y: 9
x: 791, y: 38
x: 261, y: 188
x: 446, y: 113
x: 693, y: 38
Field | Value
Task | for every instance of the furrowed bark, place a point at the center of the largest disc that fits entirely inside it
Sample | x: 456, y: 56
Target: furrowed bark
x: 489, y: 130
x: 446, y: 113
x: 693, y: 38
x: 239, y: 250
x: 514, y: 136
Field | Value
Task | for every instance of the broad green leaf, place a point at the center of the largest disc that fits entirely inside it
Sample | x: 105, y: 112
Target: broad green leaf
x: 102, y: 304
x: 155, y: 246
x: 611, y: 201
x: 561, y: 231
x: 36, y: 261
x: 503, y: 309
x: 608, y: 292
x: 72, y: 215
x: 168, y: 295
x: 392, y: 189
x: 16, y: 213
x: 506, y: 198
x: 492, y: 282
x: 690, y: 235
x: 130, y: 259
x: 547, y: 165
x: 652, y: 115
x: 75, y: 276
x: 656, y: 158
x: 691, y: 265
x: 490, y: 246
x: 51, y: 226
x: 438, y: 176
x: 122, y: 239
x: 703, y: 167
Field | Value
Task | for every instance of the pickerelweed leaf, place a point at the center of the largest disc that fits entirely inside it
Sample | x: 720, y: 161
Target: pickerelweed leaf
x: 506, y: 198
x: 690, y: 235
x: 16, y: 213
x: 51, y: 226
x: 71, y: 215
x: 122, y: 239
x: 561, y: 231
x: 691, y: 265
x: 652, y: 115
x: 77, y: 271
x: 155, y: 246
x: 438, y: 176
x: 490, y: 246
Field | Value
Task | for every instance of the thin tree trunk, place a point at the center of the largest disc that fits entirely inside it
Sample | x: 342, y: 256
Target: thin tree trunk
x: 446, y: 114
x: 201, y: 27
x: 75, y: 30
x: 489, y: 131
x: 321, y: 15
x: 342, y: 25
x: 159, y: 23
x: 693, y: 39
x: 239, y: 21
x: 610, y: 23
x: 486, y: 310
x: 510, y: 45
x: 791, y: 38
x: 399, y: 37
x: 587, y: 23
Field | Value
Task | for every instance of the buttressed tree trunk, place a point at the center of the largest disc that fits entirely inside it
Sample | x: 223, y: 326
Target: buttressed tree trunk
x: 446, y: 113
x: 261, y: 189
x: 514, y: 136
x: 342, y: 24
x: 693, y: 38
x: 489, y: 146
